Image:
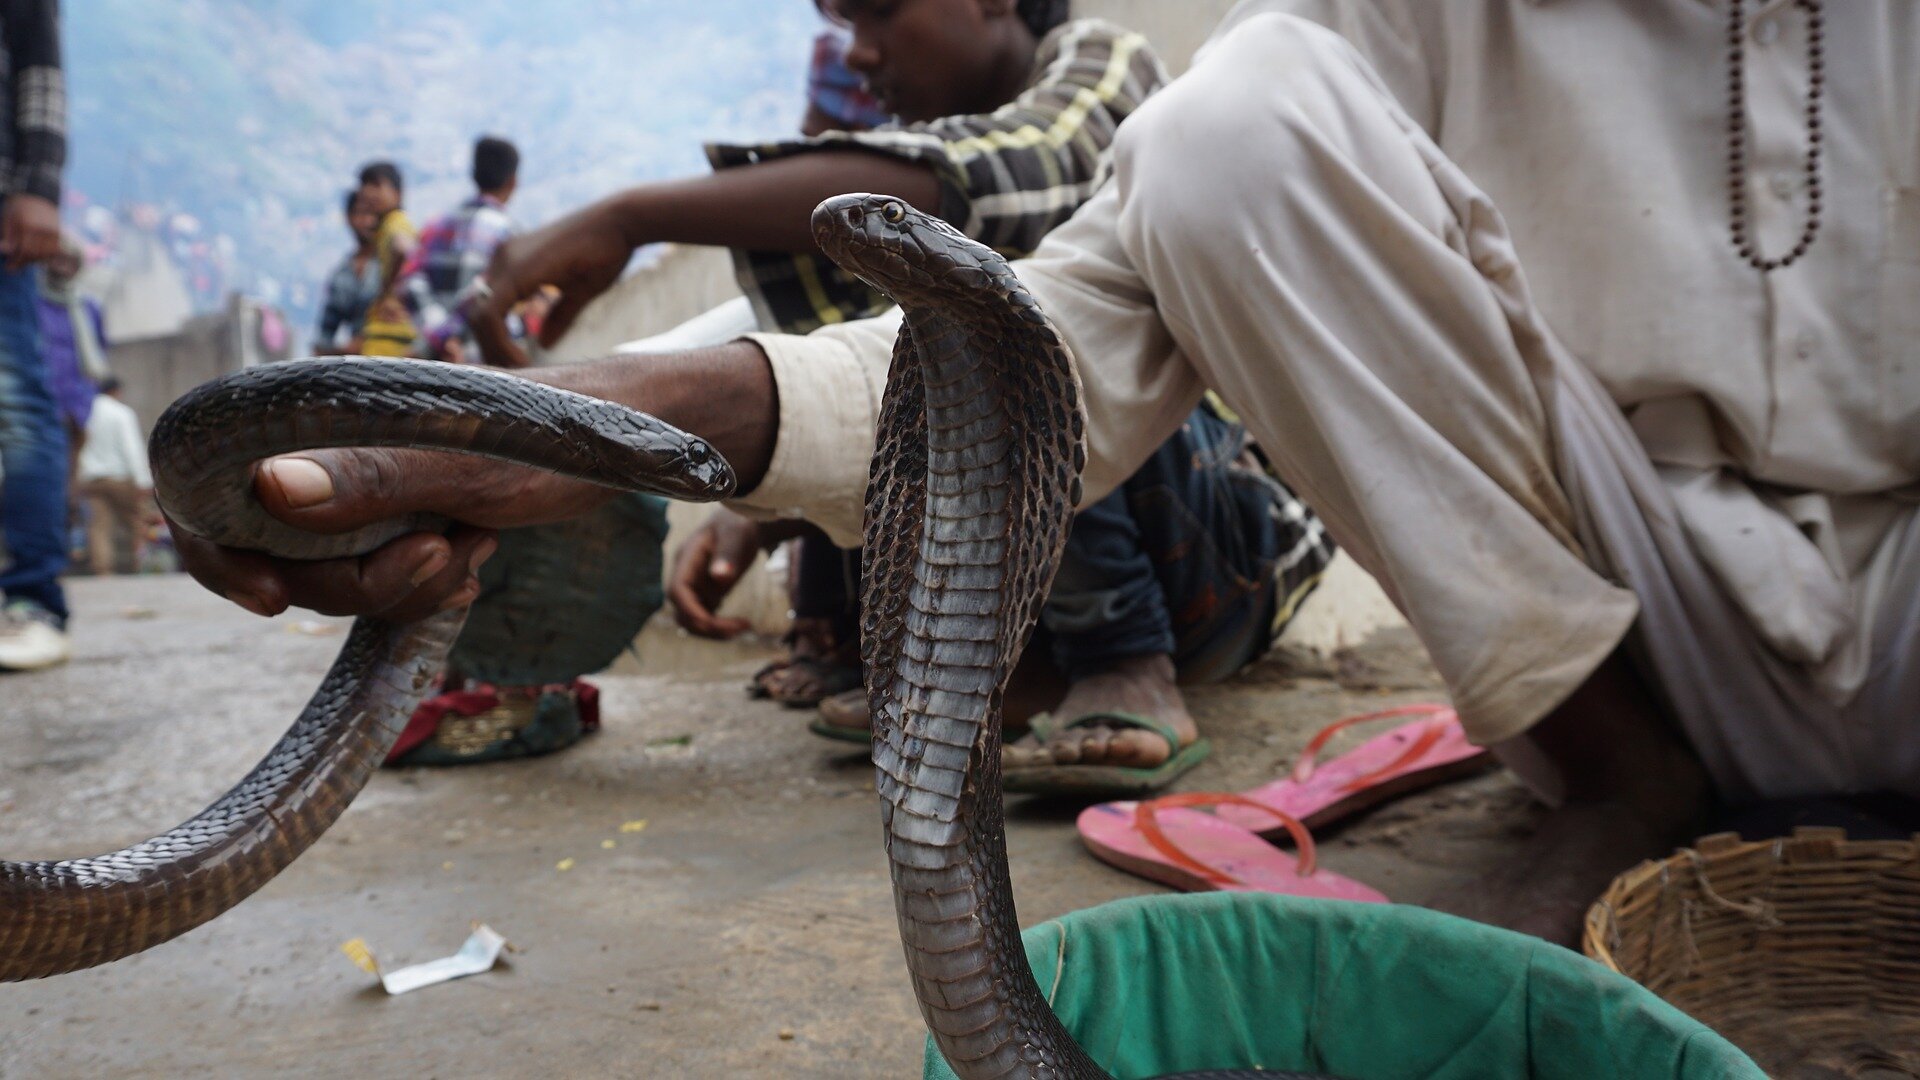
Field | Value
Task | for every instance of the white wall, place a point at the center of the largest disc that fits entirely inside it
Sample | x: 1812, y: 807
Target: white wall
x: 1176, y: 27
x: 681, y: 282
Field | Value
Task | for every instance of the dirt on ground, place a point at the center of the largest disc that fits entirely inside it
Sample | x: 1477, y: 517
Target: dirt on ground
x: 745, y: 930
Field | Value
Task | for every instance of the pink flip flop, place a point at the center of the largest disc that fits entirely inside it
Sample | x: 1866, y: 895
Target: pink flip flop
x: 1168, y: 840
x: 1387, y: 766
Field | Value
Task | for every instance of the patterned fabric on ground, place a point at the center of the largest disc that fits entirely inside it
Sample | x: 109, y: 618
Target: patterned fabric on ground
x: 489, y: 723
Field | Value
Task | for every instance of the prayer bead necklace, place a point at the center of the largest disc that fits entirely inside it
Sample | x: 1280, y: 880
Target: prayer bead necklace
x: 1743, y: 241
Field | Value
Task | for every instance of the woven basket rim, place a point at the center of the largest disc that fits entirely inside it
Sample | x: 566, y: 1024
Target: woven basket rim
x: 1684, y: 868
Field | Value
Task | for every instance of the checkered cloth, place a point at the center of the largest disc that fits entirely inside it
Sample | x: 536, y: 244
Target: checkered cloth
x: 1006, y: 179
x: 452, y: 252
x: 33, y: 95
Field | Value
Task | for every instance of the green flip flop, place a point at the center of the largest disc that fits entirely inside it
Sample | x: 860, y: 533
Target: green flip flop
x: 838, y: 733
x: 1106, y: 781
x: 824, y: 726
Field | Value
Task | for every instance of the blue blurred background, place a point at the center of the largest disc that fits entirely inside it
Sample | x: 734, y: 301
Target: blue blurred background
x: 212, y: 139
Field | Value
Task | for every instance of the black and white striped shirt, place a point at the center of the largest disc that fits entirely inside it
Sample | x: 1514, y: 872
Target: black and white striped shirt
x: 33, y: 140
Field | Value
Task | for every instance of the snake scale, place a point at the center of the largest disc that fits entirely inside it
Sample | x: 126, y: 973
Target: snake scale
x: 76, y: 913
x: 973, y: 485
x: 974, y: 480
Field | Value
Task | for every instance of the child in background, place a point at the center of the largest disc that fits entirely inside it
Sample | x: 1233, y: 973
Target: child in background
x: 389, y: 329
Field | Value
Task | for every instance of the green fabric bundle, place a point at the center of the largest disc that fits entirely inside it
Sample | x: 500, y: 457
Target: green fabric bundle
x: 1169, y: 984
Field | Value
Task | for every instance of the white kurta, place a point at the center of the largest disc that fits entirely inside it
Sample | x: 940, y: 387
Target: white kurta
x: 1465, y: 272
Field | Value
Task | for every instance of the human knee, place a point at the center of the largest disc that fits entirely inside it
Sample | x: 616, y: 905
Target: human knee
x: 1259, y: 99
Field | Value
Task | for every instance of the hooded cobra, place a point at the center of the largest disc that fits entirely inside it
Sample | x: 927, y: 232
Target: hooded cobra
x: 76, y: 913
x: 974, y: 480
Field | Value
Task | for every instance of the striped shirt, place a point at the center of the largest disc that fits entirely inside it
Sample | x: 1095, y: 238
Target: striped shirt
x: 452, y: 251
x: 33, y: 98
x: 1006, y: 178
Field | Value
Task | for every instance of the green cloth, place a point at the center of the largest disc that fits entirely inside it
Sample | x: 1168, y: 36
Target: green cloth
x: 1169, y: 984
x: 561, y: 601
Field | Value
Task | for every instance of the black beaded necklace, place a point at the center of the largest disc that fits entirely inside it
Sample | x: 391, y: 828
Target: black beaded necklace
x: 1743, y: 241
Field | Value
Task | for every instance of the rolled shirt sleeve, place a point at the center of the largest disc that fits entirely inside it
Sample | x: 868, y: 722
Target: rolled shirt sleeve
x: 830, y: 384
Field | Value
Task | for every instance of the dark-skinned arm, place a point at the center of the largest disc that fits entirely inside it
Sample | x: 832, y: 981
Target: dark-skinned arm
x: 725, y: 395
x: 766, y: 207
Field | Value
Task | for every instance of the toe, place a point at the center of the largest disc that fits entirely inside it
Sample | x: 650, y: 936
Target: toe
x: 1142, y: 749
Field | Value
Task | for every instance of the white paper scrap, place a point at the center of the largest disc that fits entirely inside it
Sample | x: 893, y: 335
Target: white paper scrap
x: 480, y: 953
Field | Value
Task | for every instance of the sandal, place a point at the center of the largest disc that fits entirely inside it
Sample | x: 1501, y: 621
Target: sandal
x: 844, y: 717
x: 1168, y: 840
x: 1410, y: 757
x: 1314, y: 794
x: 1106, y: 781
x: 830, y: 666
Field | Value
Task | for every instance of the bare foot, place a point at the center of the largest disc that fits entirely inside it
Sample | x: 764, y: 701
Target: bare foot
x: 1035, y: 684
x: 1140, y: 685
x: 817, y: 666
x: 1547, y: 886
x: 1628, y: 788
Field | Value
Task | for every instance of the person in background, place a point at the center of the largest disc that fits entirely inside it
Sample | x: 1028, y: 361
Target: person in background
x: 439, y: 278
x: 115, y: 480
x: 353, y: 286
x: 73, y: 342
x: 389, y: 330
x: 1006, y: 110
x: 970, y: 58
x: 822, y: 660
x: 33, y: 444
x: 837, y: 98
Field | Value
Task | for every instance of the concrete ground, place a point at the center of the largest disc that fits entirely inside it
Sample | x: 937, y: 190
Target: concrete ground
x: 746, y: 930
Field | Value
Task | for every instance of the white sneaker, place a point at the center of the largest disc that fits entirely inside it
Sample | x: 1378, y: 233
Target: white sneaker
x: 31, y: 638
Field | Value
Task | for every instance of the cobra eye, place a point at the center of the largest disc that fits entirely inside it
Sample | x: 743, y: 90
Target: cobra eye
x: 894, y: 213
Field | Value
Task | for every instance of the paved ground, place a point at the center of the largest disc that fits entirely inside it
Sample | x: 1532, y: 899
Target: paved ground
x: 747, y: 930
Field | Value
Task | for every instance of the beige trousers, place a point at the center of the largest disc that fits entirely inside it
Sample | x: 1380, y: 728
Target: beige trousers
x: 1313, y: 256
x: 114, y: 506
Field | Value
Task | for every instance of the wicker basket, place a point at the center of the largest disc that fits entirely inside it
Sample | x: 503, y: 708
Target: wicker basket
x: 1804, y: 952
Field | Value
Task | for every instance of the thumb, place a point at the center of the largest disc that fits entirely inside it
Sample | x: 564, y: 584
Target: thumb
x: 330, y: 491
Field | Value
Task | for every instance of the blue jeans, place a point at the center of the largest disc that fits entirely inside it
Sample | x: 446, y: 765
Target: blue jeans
x: 33, y: 455
x: 1200, y: 555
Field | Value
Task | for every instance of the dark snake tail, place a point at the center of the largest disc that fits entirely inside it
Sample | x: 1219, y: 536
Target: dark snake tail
x: 63, y: 916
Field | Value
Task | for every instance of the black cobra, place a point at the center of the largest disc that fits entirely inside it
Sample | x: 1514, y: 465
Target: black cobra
x: 975, y: 476
x: 76, y: 913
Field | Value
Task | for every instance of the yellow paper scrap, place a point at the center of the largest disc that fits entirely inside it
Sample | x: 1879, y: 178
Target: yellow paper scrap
x: 361, y: 956
x: 634, y: 826
x: 608, y: 845
x: 563, y: 865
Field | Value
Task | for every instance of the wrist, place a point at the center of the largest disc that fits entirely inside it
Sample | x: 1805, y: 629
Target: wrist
x: 628, y: 215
